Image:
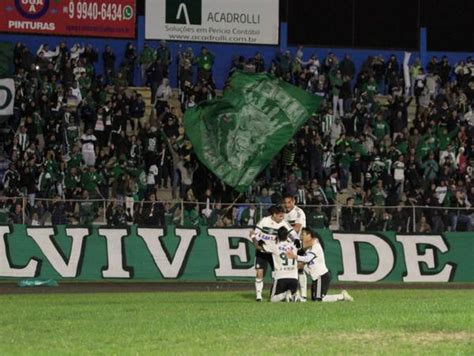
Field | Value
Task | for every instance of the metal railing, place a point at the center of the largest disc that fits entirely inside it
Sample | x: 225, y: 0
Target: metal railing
x: 403, y: 218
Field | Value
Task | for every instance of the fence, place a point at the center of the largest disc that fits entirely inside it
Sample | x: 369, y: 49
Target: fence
x: 125, y: 211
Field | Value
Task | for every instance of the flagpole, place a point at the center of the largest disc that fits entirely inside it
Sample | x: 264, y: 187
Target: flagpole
x: 231, y: 205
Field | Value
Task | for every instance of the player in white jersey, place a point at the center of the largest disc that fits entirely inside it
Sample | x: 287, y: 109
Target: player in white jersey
x: 296, y: 217
x: 315, y: 265
x: 285, y: 281
x: 266, y: 230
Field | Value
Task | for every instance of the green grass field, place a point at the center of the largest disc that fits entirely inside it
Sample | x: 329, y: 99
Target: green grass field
x: 378, y: 322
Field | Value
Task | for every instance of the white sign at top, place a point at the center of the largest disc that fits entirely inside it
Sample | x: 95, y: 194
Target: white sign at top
x: 225, y: 21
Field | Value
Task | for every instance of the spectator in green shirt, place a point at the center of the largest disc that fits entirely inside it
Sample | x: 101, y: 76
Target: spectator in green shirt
x: 430, y: 168
x: 370, y: 88
x: 381, y: 127
x: 205, y: 61
x: 250, y: 215
x: 90, y: 181
x: 379, y: 195
x: 316, y: 218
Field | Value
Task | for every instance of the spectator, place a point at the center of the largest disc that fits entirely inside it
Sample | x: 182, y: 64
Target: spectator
x: 250, y: 215
x: 11, y: 181
x: 378, y: 194
x: 399, y: 174
x: 349, y: 217
x: 163, y: 94
x: 336, y: 86
x: 317, y: 218
x: 430, y: 168
x: 152, y: 212
x: 58, y: 214
x: 147, y: 57
x: 460, y: 214
x: 392, y: 69
x: 120, y: 218
x: 108, y: 57
x: 163, y: 54
x: 205, y: 61
x: 87, y: 210
x: 88, y: 141
x: 128, y: 63
x: 137, y: 112
x: 347, y: 67
x: 16, y: 215
x: 59, y: 97
x: 34, y: 221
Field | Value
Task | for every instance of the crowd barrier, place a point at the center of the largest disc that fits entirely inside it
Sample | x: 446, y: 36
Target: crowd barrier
x: 190, y: 214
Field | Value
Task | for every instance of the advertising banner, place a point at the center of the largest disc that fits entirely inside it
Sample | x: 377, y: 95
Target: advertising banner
x: 226, y: 21
x: 216, y: 254
x: 7, y: 96
x: 97, y: 18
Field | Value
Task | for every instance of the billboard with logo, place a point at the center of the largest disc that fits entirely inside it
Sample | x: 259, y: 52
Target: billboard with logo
x: 226, y: 21
x: 98, y: 18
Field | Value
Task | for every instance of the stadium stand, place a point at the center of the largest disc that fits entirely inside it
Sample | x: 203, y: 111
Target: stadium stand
x: 84, y: 148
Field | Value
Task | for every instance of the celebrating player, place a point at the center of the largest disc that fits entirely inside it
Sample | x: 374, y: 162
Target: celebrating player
x: 296, y: 217
x: 315, y: 266
x: 285, y: 268
x: 266, y: 230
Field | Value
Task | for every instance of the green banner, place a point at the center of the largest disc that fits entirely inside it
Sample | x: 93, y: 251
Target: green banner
x: 6, y: 59
x: 210, y: 254
x: 237, y: 135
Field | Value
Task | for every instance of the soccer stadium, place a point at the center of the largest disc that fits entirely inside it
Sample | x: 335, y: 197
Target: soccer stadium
x: 236, y: 177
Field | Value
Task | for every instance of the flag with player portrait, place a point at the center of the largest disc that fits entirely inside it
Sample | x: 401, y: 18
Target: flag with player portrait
x: 237, y: 135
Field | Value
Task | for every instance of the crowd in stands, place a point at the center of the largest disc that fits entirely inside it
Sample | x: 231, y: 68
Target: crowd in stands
x: 77, y: 135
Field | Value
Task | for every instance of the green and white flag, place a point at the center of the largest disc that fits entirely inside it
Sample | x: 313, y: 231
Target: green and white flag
x: 236, y: 136
x: 7, y: 96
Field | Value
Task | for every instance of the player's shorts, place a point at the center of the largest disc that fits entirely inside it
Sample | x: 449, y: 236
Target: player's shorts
x: 284, y: 284
x: 262, y: 260
x: 320, y: 287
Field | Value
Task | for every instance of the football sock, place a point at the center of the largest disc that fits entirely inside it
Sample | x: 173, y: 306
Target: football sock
x: 278, y: 298
x: 258, y: 287
x: 303, y: 285
x: 333, y: 298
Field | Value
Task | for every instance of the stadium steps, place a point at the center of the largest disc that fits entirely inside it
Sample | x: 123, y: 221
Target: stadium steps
x: 146, y: 94
x: 164, y: 194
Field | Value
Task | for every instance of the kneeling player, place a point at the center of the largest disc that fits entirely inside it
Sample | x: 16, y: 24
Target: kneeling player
x: 315, y: 266
x: 285, y: 283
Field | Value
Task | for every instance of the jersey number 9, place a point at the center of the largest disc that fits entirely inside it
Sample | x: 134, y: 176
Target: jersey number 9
x: 285, y: 259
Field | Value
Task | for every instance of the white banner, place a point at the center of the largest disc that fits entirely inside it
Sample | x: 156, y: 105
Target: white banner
x: 226, y: 21
x: 7, y: 96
